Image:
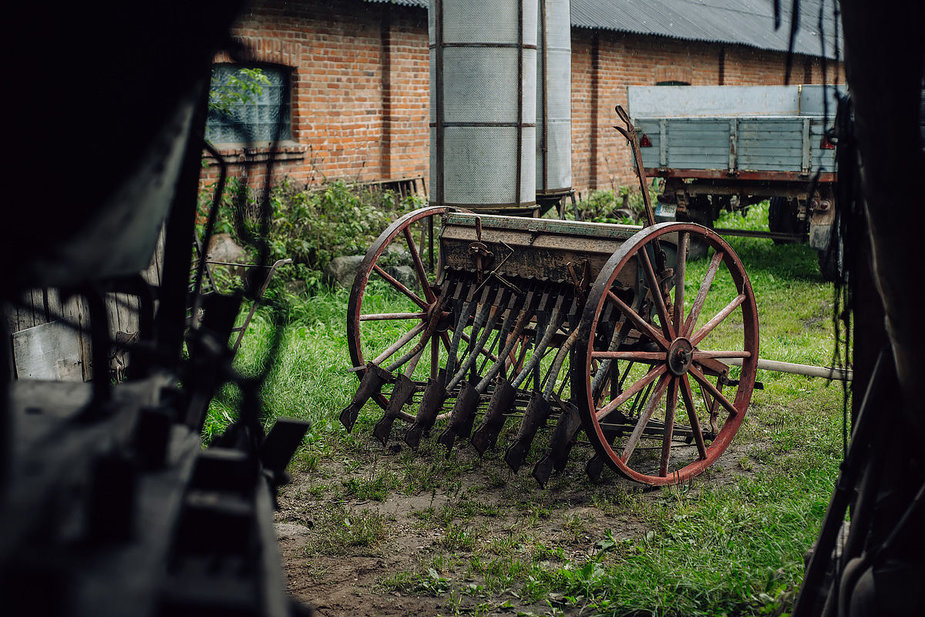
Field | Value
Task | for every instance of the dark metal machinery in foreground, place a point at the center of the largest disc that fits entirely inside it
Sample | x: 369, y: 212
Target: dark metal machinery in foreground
x: 532, y: 322
x: 108, y: 503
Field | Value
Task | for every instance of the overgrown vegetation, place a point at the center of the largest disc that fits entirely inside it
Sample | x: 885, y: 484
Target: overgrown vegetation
x: 729, y: 543
x: 310, y: 225
x: 625, y: 206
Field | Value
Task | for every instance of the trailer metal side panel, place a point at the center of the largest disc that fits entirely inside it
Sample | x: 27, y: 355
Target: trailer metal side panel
x: 770, y: 144
x: 698, y: 143
x: 735, y: 128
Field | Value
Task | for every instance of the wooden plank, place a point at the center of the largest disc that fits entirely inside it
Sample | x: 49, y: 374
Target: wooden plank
x: 39, y: 306
x: 770, y: 153
x: 53, y: 303
x: 765, y: 137
x: 47, y: 351
x: 698, y: 150
x: 758, y: 166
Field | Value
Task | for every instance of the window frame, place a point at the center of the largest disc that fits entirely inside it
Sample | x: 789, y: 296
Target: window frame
x: 217, y: 130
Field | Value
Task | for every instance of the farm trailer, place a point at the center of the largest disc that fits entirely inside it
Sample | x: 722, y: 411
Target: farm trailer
x: 727, y: 147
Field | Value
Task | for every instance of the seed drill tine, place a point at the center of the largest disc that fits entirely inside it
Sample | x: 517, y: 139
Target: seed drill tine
x: 435, y: 392
x: 595, y: 465
x: 466, y: 403
x: 507, y: 399
x: 370, y: 385
x: 477, y: 337
x: 502, y: 399
x: 462, y: 318
x: 464, y: 410
x: 563, y: 438
x: 551, y: 328
x: 561, y: 441
x: 539, y: 408
x: 401, y: 393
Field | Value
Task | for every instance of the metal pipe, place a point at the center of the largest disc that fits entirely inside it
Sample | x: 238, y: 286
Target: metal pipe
x: 807, y: 370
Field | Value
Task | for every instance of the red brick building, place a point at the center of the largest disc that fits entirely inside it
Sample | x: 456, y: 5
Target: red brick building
x: 359, y: 81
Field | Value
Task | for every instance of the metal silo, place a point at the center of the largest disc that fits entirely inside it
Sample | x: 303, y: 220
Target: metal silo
x: 554, y: 100
x: 483, y: 103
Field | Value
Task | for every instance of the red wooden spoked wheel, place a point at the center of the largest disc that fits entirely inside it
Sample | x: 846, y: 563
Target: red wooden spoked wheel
x: 393, y: 301
x: 651, y: 377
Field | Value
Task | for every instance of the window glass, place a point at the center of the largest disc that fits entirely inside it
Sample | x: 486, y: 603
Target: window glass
x: 246, y: 103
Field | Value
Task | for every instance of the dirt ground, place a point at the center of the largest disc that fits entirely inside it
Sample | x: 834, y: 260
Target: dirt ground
x: 422, y: 500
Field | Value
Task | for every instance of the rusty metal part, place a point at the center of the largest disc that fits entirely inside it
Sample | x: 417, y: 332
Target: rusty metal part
x: 369, y: 267
x: 675, y: 359
x: 502, y: 400
x: 643, y: 376
x: 463, y: 414
x: 434, y: 395
x: 539, y: 249
x: 373, y: 379
x: 560, y: 444
x: 538, y: 410
x: 633, y: 137
x: 401, y: 394
x: 462, y: 417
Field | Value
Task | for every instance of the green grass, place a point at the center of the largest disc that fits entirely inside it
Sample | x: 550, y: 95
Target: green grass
x: 730, y: 542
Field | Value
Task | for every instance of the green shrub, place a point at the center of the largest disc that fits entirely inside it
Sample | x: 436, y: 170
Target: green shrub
x: 310, y: 225
x: 625, y: 206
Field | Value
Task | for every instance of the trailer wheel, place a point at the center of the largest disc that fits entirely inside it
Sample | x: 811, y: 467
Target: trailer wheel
x: 782, y: 219
x: 657, y: 402
x: 387, y: 315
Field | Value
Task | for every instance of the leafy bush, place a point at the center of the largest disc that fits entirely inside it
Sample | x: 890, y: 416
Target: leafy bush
x: 625, y: 206
x: 311, y: 226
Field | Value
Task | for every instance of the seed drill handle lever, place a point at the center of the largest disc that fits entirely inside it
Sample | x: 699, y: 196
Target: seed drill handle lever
x: 633, y: 137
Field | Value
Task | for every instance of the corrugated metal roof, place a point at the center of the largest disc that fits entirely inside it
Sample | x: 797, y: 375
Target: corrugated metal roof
x: 739, y: 22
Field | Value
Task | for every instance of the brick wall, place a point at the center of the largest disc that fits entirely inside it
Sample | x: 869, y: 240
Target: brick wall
x: 360, y: 87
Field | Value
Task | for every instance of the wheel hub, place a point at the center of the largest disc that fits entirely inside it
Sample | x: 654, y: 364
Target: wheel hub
x: 680, y: 356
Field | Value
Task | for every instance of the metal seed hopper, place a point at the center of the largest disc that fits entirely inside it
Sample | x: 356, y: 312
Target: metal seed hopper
x: 511, y: 324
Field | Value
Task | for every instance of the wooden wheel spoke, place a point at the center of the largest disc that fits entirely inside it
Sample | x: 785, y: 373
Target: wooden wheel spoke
x: 702, y: 293
x: 717, y: 319
x: 656, y: 290
x: 669, y: 427
x: 656, y: 372
x: 679, y: 274
x: 644, y: 418
x: 638, y: 356
x: 385, y: 355
x: 387, y: 316
x: 419, y: 266
x: 413, y: 352
x: 644, y: 326
x: 687, y: 395
x: 399, y: 286
x: 713, y: 391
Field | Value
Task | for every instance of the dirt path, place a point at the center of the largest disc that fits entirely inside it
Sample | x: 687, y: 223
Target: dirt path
x: 368, y: 532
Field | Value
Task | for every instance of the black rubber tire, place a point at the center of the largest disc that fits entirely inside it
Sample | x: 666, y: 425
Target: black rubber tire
x: 782, y: 219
